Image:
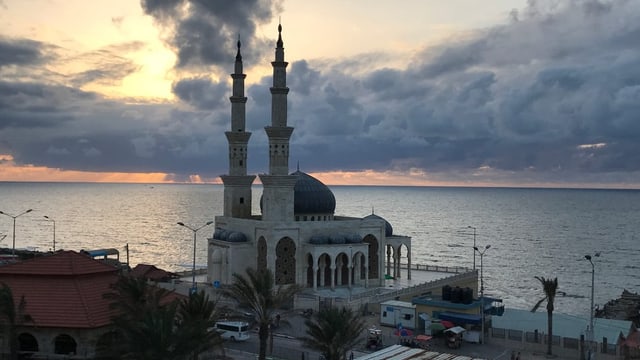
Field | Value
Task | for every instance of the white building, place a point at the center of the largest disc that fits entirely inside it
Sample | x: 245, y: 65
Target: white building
x: 398, y: 313
x: 297, y: 235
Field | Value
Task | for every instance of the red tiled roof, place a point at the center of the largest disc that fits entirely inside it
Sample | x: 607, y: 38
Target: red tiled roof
x: 64, y: 289
x: 150, y: 272
x: 58, y: 264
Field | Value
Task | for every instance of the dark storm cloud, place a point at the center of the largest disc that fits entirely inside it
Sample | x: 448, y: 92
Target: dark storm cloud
x: 62, y: 127
x: 201, y: 32
x: 201, y: 93
x: 521, y: 97
x: 35, y: 105
x: 180, y: 146
x: 551, y: 96
x: 20, y: 52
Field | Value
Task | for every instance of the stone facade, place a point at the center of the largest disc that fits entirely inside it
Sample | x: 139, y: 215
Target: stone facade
x: 297, y: 235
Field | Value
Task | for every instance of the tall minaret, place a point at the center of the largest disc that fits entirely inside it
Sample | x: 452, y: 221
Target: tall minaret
x: 237, y: 185
x: 278, y: 194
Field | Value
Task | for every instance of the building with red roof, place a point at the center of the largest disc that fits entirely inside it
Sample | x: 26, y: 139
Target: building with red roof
x: 153, y: 273
x: 64, y: 311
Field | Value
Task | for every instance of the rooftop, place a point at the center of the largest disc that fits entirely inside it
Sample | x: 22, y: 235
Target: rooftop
x: 64, y: 289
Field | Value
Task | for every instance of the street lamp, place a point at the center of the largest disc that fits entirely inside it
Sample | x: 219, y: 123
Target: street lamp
x: 590, y: 333
x: 54, y: 231
x: 475, y: 248
x: 13, y: 249
x: 474, y: 245
x: 193, y: 284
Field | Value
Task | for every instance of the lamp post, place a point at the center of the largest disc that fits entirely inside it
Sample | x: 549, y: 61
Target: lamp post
x: 474, y: 245
x: 54, y: 231
x: 590, y: 333
x: 475, y: 248
x: 13, y: 249
x: 193, y: 284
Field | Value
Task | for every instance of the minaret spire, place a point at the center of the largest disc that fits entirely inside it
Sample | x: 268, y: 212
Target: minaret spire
x: 278, y: 194
x: 237, y: 184
x: 238, y: 55
x: 279, y: 42
x: 279, y: 133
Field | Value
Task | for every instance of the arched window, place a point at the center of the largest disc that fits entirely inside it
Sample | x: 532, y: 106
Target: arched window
x: 27, y: 342
x: 372, y: 261
x: 285, y: 262
x: 65, y: 344
x: 310, y: 272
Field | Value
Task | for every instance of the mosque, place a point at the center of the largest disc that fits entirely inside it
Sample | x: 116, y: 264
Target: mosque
x: 297, y: 235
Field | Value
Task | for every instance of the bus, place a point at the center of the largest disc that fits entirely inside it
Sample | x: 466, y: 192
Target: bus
x: 233, y: 330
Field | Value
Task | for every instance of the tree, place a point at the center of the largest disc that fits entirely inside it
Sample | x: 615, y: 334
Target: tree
x: 258, y: 292
x: 333, y: 332
x: 550, y: 287
x: 131, y: 298
x: 150, y: 324
x: 144, y: 318
x: 196, y: 317
x: 10, y: 317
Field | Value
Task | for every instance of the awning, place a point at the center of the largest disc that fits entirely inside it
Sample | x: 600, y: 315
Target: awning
x: 456, y: 330
x: 460, y: 318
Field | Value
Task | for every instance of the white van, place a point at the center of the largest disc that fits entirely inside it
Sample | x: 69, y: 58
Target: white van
x: 233, y: 330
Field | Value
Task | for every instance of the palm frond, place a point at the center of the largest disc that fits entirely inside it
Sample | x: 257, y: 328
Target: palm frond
x: 537, y: 305
x: 257, y: 291
x: 333, y: 331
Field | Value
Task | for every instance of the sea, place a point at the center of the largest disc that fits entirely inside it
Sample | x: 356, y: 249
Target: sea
x: 531, y: 232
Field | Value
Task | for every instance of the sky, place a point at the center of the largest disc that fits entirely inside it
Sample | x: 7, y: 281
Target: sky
x: 542, y: 93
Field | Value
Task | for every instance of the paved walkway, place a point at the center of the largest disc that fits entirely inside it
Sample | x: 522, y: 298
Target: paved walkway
x: 295, y: 327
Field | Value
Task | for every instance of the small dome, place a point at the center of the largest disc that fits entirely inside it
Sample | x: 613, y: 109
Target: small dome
x: 353, y: 238
x: 220, y: 234
x: 337, y: 239
x: 311, y: 196
x: 388, y: 229
x: 231, y: 236
x: 319, y: 240
x: 237, y: 236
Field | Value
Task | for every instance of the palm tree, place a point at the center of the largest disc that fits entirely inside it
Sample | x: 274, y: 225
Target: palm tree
x: 143, y: 325
x: 550, y: 287
x: 152, y: 326
x: 333, y: 331
x: 10, y: 317
x: 132, y: 297
x: 257, y: 291
x: 151, y: 336
x: 196, y: 316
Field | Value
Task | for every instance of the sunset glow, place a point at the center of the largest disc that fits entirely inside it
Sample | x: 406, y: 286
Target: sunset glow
x: 461, y: 93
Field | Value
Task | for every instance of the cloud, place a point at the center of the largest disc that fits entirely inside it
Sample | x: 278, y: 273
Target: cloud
x: 20, y: 52
x: 551, y: 96
x: 201, y: 93
x: 200, y: 31
x: 105, y: 66
x: 514, y: 97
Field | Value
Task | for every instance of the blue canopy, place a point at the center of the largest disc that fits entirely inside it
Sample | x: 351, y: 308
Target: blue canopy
x: 460, y: 318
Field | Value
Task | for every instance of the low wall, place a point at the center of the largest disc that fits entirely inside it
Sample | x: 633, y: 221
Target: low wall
x: 565, y: 348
